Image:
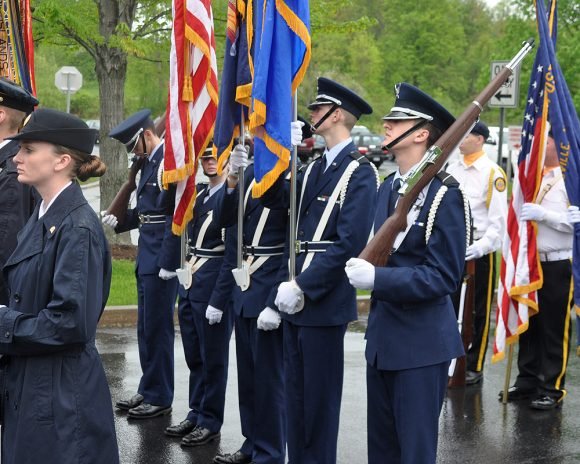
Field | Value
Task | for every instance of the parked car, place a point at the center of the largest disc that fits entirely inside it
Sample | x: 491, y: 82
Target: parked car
x: 311, y: 148
x: 371, y: 145
x: 360, y: 130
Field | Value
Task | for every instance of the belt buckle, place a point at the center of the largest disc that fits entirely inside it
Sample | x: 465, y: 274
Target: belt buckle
x: 297, y: 245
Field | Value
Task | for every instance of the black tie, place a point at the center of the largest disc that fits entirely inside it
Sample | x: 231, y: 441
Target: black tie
x: 394, y: 194
x: 321, y: 168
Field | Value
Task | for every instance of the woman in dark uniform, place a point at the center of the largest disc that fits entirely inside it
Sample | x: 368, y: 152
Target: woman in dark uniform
x: 56, y: 401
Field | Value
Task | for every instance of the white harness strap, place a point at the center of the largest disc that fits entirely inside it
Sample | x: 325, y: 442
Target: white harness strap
x: 304, y: 182
x: 342, y: 183
x: 195, y: 261
x: 255, y: 265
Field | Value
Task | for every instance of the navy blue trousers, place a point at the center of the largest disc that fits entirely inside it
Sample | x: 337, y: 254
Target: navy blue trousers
x: 260, y: 357
x: 314, y: 368
x: 403, y: 410
x: 206, y: 349
x: 155, y: 337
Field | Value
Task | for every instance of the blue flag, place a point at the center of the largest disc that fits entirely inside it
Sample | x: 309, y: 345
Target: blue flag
x: 281, y: 57
x: 236, y: 79
x: 563, y: 119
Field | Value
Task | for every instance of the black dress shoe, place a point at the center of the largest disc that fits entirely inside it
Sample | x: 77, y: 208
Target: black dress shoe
x: 199, y: 436
x: 180, y: 430
x: 233, y: 458
x: 131, y: 403
x: 146, y: 411
x: 545, y: 403
x: 518, y: 394
x: 473, y: 377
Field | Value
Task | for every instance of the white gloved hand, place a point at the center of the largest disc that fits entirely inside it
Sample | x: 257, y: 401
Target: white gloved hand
x: 290, y: 297
x: 213, y: 315
x: 296, y: 132
x: 573, y: 214
x: 475, y: 251
x: 109, y: 219
x: 269, y: 319
x: 533, y: 212
x: 238, y: 159
x: 360, y: 273
x: 166, y: 275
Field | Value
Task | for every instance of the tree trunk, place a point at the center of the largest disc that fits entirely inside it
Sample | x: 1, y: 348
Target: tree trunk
x: 111, y: 68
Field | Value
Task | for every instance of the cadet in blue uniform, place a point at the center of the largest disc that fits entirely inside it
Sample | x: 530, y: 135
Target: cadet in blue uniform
x: 259, y: 348
x: 56, y: 401
x: 336, y: 204
x: 157, y: 259
x: 16, y: 200
x: 205, y: 317
x: 412, y: 330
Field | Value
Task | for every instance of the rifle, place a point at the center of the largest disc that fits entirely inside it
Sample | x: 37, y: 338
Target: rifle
x: 120, y: 203
x: 379, y: 248
x: 465, y: 325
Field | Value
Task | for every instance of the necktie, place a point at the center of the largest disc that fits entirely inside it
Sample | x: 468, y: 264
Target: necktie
x: 394, y: 194
x: 321, y: 167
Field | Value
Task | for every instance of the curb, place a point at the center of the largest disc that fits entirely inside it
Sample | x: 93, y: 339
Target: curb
x: 126, y: 316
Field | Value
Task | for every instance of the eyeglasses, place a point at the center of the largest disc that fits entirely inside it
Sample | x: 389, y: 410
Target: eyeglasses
x: 132, y: 144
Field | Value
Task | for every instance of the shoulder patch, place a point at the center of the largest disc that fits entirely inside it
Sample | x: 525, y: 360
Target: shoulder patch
x: 500, y: 184
x: 355, y: 155
x: 447, y: 179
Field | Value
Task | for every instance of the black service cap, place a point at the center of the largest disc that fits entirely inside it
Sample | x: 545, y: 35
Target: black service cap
x: 14, y: 96
x: 330, y: 93
x: 128, y: 130
x: 59, y: 128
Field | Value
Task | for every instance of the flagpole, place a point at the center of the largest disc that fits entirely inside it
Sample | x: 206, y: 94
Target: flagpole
x: 293, y: 194
x: 508, y: 373
x: 242, y: 194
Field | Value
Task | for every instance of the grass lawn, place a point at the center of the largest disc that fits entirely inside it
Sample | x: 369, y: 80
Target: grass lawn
x: 123, y: 285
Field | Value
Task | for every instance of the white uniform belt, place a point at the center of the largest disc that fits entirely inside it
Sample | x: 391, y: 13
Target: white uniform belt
x: 313, y: 246
x: 555, y: 255
x: 152, y: 218
x: 263, y: 250
x: 217, y: 252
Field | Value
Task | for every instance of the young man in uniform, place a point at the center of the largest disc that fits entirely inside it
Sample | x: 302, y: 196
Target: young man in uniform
x: 412, y: 332
x: 205, y: 316
x: 16, y: 200
x: 336, y: 203
x: 545, y: 346
x: 484, y: 183
x: 157, y: 259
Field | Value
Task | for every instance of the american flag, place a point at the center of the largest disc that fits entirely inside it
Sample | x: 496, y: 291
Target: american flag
x: 520, y: 274
x: 192, y: 102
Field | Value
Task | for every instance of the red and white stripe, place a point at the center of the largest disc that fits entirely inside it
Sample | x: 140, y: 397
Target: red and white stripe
x: 192, y: 101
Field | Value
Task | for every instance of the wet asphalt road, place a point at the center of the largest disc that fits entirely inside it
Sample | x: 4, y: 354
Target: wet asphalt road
x: 474, y: 426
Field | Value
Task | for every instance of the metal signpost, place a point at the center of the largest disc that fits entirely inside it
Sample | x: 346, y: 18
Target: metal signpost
x: 507, y: 97
x: 68, y: 80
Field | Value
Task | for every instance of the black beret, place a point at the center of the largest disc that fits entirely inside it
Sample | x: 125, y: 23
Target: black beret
x: 127, y: 131
x: 330, y: 93
x: 56, y: 127
x: 480, y: 129
x: 14, y: 96
x: 413, y: 103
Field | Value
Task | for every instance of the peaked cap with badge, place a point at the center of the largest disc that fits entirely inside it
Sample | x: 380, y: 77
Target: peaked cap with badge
x: 129, y: 130
x: 413, y: 103
x: 59, y: 128
x: 14, y: 96
x: 332, y: 93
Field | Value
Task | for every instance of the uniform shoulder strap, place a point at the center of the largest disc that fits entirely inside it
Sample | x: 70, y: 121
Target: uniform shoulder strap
x: 355, y: 155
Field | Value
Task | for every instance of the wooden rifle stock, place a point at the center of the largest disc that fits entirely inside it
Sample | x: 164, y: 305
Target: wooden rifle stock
x: 120, y: 203
x: 466, y: 324
x: 379, y: 248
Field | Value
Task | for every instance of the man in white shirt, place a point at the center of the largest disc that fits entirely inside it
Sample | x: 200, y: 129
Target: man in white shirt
x: 484, y: 183
x: 544, y: 347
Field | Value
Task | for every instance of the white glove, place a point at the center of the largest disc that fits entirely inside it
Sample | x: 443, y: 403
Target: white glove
x: 109, y: 219
x: 238, y: 159
x: 533, y: 212
x: 269, y: 319
x: 296, y: 132
x: 213, y: 315
x: 478, y: 249
x: 360, y: 273
x: 290, y: 298
x: 166, y: 275
x: 573, y: 214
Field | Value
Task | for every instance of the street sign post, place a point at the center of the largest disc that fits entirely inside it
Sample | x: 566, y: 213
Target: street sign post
x: 68, y: 80
x: 507, y: 97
